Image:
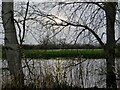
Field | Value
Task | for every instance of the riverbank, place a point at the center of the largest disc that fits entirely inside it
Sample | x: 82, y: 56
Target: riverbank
x: 67, y: 53
x: 33, y: 53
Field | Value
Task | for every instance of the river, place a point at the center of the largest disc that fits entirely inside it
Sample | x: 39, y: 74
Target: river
x: 82, y: 73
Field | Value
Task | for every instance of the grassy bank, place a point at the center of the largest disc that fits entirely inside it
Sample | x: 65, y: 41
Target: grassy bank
x: 67, y: 53
x: 63, y: 53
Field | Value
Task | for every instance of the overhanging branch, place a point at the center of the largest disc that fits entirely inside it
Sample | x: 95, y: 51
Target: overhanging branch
x: 24, y: 22
x: 84, y: 26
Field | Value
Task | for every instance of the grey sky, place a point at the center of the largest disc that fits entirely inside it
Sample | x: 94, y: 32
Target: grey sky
x: 29, y: 39
x: 62, y: 0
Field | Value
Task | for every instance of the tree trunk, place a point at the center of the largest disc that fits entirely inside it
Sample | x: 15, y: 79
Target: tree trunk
x: 110, y: 10
x: 11, y: 45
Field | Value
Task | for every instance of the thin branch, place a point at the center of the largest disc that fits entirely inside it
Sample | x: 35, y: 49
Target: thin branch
x: 19, y: 30
x: 79, y: 35
x: 117, y: 40
x: 75, y: 64
x: 80, y: 25
x: 103, y: 35
x: 96, y: 3
x: 24, y: 22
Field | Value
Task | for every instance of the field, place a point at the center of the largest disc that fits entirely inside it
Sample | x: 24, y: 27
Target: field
x: 67, y: 53
x: 33, y: 53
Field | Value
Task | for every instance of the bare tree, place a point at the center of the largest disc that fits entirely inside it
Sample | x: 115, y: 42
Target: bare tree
x: 103, y: 15
x: 12, y: 47
x: 110, y: 10
x: 85, y: 17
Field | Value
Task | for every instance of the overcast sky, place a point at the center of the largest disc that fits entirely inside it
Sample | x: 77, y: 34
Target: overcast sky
x: 63, y: 0
x: 30, y: 38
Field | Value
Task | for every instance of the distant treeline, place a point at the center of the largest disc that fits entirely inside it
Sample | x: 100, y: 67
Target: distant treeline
x: 68, y: 51
x: 66, y: 46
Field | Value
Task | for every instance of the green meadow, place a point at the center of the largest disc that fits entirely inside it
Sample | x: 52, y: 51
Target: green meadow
x: 67, y: 53
x: 63, y: 53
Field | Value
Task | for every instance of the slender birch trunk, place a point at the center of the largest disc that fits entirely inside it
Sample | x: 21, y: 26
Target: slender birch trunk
x: 12, y: 48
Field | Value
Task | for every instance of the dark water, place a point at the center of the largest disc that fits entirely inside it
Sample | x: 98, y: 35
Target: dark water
x: 78, y: 72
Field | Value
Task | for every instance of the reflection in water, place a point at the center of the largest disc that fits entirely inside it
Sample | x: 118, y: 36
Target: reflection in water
x: 78, y: 72
x: 0, y: 74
